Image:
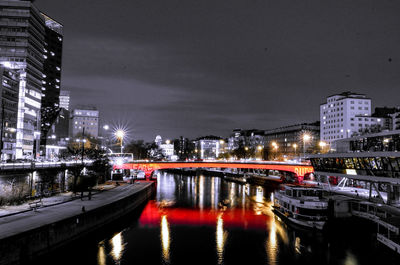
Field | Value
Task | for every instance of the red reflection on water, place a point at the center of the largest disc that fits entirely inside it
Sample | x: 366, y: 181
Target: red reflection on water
x: 237, y: 217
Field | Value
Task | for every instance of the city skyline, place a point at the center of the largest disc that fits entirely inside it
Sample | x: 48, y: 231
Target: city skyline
x: 205, y: 68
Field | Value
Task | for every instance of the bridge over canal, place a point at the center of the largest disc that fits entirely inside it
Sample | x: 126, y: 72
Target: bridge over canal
x: 149, y: 167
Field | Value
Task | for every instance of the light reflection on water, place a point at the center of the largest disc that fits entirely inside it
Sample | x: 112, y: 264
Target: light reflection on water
x: 214, y: 222
x: 117, y: 247
x: 220, y: 238
x: 101, y: 254
x: 210, y: 221
x: 165, y: 238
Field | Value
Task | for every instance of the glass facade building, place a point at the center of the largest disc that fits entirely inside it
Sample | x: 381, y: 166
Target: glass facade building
x: 9, y: 88
x: 52, y: 54
x: 22, y: 35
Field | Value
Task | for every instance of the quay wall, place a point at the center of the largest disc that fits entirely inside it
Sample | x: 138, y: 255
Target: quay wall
x: 21, y: 248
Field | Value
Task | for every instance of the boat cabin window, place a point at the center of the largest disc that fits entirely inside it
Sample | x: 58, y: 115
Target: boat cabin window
x: 312, y: 193
x: 288, y: 192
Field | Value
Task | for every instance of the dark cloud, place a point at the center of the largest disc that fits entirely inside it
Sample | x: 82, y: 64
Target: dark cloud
x: 205, y: 67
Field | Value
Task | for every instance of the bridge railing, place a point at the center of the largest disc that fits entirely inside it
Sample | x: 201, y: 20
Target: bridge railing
x: 40, y: 165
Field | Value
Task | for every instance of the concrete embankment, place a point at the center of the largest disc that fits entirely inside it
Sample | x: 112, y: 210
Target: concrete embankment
x: 27, y: 235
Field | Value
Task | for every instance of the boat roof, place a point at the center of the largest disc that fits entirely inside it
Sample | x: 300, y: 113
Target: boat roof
x: 302, y: 187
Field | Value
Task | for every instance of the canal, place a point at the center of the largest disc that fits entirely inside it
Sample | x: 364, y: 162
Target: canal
x: 206, y: 220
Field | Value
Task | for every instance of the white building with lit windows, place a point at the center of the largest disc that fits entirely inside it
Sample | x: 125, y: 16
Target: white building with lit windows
x: 208, y: 147
x: 64, y: 99
x: 84, y: 120
x: 346, y: 114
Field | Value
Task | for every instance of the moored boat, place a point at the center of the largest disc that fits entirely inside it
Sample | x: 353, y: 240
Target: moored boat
x: 302, y: 205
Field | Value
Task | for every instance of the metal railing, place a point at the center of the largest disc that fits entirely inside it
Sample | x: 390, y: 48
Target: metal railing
x: 41, y: 165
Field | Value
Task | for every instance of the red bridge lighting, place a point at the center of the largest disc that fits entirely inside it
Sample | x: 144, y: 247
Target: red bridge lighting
x: 148, y: 167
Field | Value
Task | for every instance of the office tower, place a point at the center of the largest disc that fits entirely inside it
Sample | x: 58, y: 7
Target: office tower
x: 22, y: 38
x: 52, y: 54
x: 9, y: 88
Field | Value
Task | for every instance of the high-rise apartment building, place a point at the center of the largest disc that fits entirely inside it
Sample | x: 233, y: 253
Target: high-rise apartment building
x: 9, y: 88
x: 22, y: 38
x: 84, y: 120
x: 345, y: 114
x: 64, y: 99
x: 52, y: 54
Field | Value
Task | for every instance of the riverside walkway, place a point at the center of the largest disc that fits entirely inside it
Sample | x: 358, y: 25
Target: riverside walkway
x: 18, y: 223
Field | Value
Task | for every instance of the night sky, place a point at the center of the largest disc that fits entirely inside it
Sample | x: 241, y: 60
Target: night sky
x: 199, y: 67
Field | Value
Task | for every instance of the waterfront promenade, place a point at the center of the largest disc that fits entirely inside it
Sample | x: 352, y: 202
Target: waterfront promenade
x: 65, y: 221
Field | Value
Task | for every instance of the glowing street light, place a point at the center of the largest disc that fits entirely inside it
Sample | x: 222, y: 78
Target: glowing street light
x: 120, y: 135
x: 306, y: 138
x: 295, y: 147
x: 106, y: 127
x: 274, y: 145
x: 322, y: 144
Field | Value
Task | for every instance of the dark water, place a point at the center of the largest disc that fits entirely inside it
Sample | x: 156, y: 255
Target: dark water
x: 205, y: 220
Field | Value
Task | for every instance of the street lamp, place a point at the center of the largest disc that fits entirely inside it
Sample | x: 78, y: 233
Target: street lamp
x: 260, y: 148
x: 275, y: 146
x: 120, y: 135
x: 83, y: 147
x: 306, y: 138
x: 295, y: 147
x: 322, y: 144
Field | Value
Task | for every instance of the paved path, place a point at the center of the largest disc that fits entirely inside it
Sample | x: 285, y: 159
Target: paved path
x: 49, y: 201
x: 24, y: 221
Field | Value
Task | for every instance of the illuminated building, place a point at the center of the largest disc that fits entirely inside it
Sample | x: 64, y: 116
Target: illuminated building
x: 250, y: 138
x: 9, y: 88
x: 183, y: 147
x: 235, y: 139
x: 22, y: 47
x: 289, y: 139
x: 346, y: 114
x: 167, y: 149
x: 208, y: 147
x: 52, y: 54
x: 388, y: 141
x: 59, y: 130
x: 158, y: 140
x: 84, y: 118
x: 64, y: 99
x: 395, y: 120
